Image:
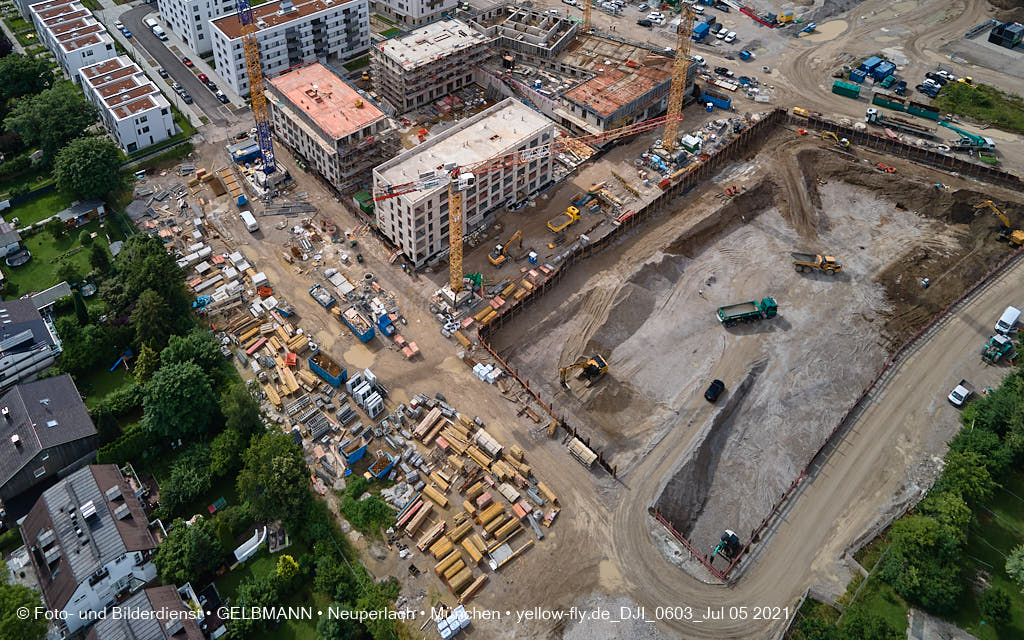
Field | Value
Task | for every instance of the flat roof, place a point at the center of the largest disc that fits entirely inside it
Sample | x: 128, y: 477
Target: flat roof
x: 490, y: 132
x: 122, y: 87
x: 609, y: 90
x: 230, y: 26
x: 327, y: 100
x: 431, y: 42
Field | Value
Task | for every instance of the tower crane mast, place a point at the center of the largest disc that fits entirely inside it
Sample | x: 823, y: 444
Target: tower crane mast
x: 256, y: 95
x: 587, y: 7
x: 680, y: 68
x: 460, y: 178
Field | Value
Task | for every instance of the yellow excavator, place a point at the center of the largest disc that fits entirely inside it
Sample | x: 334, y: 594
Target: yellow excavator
x: 1007, y: 233
x: 591, y: 370
x: 499, y: 256
x: 842, y: 143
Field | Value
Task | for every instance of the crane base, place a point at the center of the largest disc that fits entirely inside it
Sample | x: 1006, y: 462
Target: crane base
x: 455, y: 300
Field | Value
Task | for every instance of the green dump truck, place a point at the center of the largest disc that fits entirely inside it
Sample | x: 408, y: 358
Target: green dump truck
x: 748, y: 311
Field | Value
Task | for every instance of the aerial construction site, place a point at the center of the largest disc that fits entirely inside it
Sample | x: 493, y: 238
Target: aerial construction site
x: 623, y: 312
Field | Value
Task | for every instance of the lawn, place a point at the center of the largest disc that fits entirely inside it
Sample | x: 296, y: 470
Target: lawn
x: 39, y: 208
x: 983, y: 103
x: 102, y: 382
x: 358, y: 63
x: 41, y: 271
x: 36, y: 177
x: 999, y: 527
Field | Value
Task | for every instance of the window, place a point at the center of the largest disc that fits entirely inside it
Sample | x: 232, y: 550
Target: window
x: 40, y: 472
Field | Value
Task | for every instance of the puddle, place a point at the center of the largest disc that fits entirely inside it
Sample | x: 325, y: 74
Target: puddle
x: 827, y: 31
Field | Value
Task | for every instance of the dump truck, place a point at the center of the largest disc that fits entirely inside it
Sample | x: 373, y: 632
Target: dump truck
x: 811, y: 261
x: 563, y: 220
x: 751, y: 311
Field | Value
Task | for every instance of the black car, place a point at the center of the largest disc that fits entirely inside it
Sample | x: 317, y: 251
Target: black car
x: 223, y: 98
x: 162, y: 73
x: 716, y: 27
x: 644, y: 22
x: 723, y: 71
x: 186, y: 98
x: 715, y: 389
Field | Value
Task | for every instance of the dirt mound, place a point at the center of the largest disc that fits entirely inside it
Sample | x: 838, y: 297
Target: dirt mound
x: 742, y: 209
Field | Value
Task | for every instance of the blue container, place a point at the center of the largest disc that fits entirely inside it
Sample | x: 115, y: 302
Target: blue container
x: 870, y: 64
x: 701, y: 30
x: 720, y: 100
x: 883, y: 70
x: 858, y: 75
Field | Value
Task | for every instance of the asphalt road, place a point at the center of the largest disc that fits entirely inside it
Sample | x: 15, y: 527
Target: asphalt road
x: 144, y: 38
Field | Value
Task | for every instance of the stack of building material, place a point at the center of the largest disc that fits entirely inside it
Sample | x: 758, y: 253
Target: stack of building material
x: 431, y: 536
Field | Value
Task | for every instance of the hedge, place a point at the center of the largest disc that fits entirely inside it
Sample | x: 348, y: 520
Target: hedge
x: 129, y: 446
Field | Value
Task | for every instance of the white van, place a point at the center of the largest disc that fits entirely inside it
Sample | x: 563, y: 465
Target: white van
x: 1008, y: 321
x: 250, y: 221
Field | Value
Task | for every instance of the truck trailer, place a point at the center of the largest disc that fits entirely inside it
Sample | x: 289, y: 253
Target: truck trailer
x: 751, y: 311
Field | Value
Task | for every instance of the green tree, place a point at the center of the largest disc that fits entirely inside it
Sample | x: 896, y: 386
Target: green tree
x: 965, y: 474
x: 81, y: 313
x: 55, y: 227
x: 146, y: 364
x: 995, y: 606
x: 198, y: 346
x: 144, y: 263
x: 190, y: 478
x: 22, y: 75
x: 339, y: 625
x: 254, y: 592
x: 378, y: 596
x: 814, y: 628
x: 274, y: 478
x: 99, y: 258
x: 950, y: 510
x: 69, y: 272
x: 179, y: 402
x: 287, y: 570
x: 923, y: 563
x: 188, y: 552
x: 151, y: 318
x: 1015, y: 565
x: 52, y: 118
x: 226, y: 452
x: 241, y: 411
x: 85, y: 238
x: 13, y: 597
x: 860, y: 624
x: 89, y: 168
x: 991, y: 450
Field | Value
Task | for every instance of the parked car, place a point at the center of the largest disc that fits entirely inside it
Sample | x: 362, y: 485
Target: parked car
x: 731, y: 37
x: 203, y: 78
x: 162, y: 72
x: 643, y: 22
x: 126, y: 33
x: 643, y: 7
x: 188, y: 63
x: 721, y: 34
x: 175, y: 86
x: 119, y: 25
x: 699, y: 60
x: 724, y: 71
x: 220, y: 96
x: 186, y: 98
x: 959, y: 395
x: 715, y: 389
x: 715, y: 28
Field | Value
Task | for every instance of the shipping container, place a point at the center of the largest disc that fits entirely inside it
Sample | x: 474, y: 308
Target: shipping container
x: 324, y: 366
x: 720, y: 100
x: 923, y: 110
x: 882, y: 70
x: 889, y: 102
x: 870, y: 64
x: 846, y: 89
x: 858, y: 76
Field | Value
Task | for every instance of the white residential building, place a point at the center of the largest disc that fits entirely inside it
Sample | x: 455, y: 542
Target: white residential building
x: 190, y: 20
x: 290, y: 34
x: 70, y: 31
x: 413, y: 12
x: 418, y: 221
x: 339, y: 132
x: 132, y: 109
x: 90, y: 542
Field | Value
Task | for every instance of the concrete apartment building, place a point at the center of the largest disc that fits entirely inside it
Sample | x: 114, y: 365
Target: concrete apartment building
x: 426, y: 64
x: 133, y: 110
x: 70, y: 31
x: 338, y: 131
x: 90, y: 543
x: 290, y: 34
x: 190, y: 20
x: 417, y: 222
x: 413, y: 12
x: 45, y: 432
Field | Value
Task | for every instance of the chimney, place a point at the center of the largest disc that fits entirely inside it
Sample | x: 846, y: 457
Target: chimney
x: 6, y: 412
x: 16, y: 441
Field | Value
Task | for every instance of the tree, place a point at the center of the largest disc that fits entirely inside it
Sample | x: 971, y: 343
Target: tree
x: 860, y: 624
x: 287, y: 570
x: 198, y: 346
x: 144, y: 263
x: 55, y: 227
x: 51, y: 118
x: 225, y: 452
x: 146, y: 364
x: 995, y: 456
x: 950, y: 510
x: 1015, y: 565
x: 179, y: 402
x: 190, y: 478
x: 966, y: 475
x: 99, y: 258
x: 85, y: 238
x: 923, y: 563
x: 995, y: 606
x: 814, y: 628
x: 13, y: 597
x: 241, y: 411
x: 89, y: 167
x: 69, y: 272
x: 254, y: 592
x: 151, y: 320
x: 339, y: 624
x: 274, y: 478
x: 22, y: 75
x: 187, y: 553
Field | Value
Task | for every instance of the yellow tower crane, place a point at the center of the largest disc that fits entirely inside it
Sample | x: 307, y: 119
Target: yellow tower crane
x: 680, y: 68
x: 460, y: 178
x: 587, y: 6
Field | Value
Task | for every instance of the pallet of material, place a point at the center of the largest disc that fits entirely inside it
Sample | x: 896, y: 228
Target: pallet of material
x: 431, y: 536
x: 308, y: 378
x: 427, y: 423
x: 474, y: 553
x: 519, y: 511
x: 436, y: 429
x: 481, y: 314
x: 439, y: 481
x: 463, y: 340
x: 441, y: 548
x: 447, y: 562
x: 479, y: 457
x: 248, y: 335
x: 521, y: 467
x: 475, y: 490
x: 483, y: 500
x: 507, y: 530
x: 461, y: 581
x: 409, y: 512
x: 457, y: 444
x: 516, y: 453
x: 436, y: 496
x: 497, y: 523
x: 547, y: 493
x: 489, y: 317
x: 469, y: 508
x: 461, y: 531
x: 516, y: 554
x: 298, y: 344
x: 288, y: 379
x: 272, y: 395
x: 473, y: 589
x: 255, y: 345
x: 487, y: 514
x: 456, y: 463
x: 417, y: 520
x: 274, y: 343
x: 454, y: 570
x: 282, y: 335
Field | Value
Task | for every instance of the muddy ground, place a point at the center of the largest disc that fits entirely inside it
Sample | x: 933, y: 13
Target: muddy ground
x: 648, y: 305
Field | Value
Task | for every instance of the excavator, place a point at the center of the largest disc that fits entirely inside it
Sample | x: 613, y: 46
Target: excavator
x: 591, y: 370
x: 842, y: 143
x: 1007, y: 233
x: 499, y: 256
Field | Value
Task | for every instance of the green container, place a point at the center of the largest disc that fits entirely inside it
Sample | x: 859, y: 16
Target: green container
x: 846, y: 89
x: 923, y: 111
x: 889, y: 102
